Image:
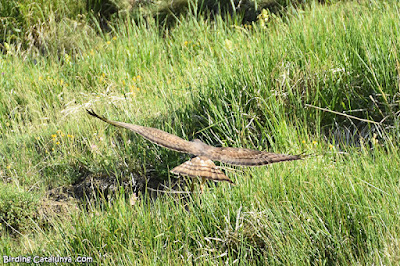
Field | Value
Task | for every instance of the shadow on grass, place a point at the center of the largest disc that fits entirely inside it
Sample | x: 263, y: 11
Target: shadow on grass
x: 101, y: 188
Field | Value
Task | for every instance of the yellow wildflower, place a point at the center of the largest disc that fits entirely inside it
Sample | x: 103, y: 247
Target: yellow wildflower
x: 70, y: 136
x: 114, y: 38
x: 137, y: 78
x: 228, y: 44
x: 263, y: 18
x: 314, y: 142
x: 54, y: 136
x: 108, y: 42
x: 9, y: 167
x: 57, y: 143
x: 303, y: 141
x: 67, y: 58
x: 263, y: 15
x: 330, y: 146
x: 61, y: 82
x: 374, y: 140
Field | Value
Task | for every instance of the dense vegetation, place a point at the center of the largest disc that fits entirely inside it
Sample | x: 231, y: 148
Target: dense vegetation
x: 73, y: 186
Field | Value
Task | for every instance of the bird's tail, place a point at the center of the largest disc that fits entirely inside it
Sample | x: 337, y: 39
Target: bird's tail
x: 201, y: 167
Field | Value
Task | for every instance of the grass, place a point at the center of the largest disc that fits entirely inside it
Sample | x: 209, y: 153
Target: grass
x: 229, y: 85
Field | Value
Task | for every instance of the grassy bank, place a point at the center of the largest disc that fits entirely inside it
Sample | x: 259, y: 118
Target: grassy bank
x: 229, y: 85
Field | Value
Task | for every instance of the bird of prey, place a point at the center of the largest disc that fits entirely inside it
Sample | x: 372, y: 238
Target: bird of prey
x: 202, y: 165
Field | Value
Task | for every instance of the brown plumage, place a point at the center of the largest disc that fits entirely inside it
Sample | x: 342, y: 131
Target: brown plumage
x: 202, y: 165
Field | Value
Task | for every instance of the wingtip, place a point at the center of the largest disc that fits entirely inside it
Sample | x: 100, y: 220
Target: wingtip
x: 92, y: 113
x: 231, y: 182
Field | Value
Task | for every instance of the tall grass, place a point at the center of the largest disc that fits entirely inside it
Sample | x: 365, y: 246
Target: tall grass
x: 229, y: 85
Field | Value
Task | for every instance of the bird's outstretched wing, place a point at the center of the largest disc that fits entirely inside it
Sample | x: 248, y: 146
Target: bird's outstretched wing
x: 201, y: 167
x: 206, y: 153
x: 246, y: 157
x: 157, y: 136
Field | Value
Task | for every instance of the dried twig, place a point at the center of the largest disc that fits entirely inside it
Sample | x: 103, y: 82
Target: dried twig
x: 338, y: 113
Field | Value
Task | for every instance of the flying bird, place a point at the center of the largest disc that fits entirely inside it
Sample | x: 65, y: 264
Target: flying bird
x: 202, y: 165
